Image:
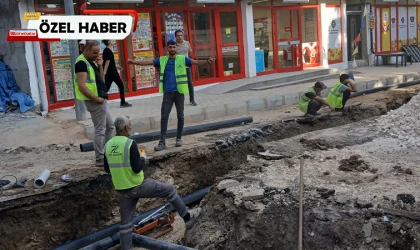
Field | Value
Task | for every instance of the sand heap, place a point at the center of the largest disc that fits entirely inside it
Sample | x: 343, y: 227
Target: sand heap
x: 403, y: 123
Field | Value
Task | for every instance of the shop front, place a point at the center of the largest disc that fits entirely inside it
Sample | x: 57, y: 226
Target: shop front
x: 213, y: 30
x: 396, y: 25
x: 287, y: 36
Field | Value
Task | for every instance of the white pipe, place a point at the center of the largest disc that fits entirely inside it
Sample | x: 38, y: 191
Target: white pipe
x: 42, y: 179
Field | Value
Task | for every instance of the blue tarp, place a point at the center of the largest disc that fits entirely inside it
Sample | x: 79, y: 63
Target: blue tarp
x: 9, y: 91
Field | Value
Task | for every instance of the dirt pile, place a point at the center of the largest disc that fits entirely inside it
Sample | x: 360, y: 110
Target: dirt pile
x: 402, y: 123
x: 355, y: 163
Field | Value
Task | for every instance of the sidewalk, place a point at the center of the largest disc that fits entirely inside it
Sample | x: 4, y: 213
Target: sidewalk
x: 145, y: 113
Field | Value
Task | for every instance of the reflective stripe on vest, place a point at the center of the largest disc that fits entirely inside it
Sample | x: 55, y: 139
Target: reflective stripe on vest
x: 117, y: 153
x: 335, y: 98
x: 304, y: 100
x: 180, y: 73
x: 90, y: 80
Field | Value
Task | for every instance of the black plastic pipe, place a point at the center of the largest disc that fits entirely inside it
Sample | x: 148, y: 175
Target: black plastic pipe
x: 105, y: 243
x: 85, y: 147
x: 384, y: 88
x: 110, y: 230
x: 149, y: 243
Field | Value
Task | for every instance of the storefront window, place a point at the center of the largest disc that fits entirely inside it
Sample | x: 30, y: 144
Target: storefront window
x: 228, y: 25
x: 263, y: 40
x: 310, y: 46
x: 145, y: 4
x: 142, y: 47
x: 172, y: 3
x: 261, y: 3
x: 53, y: 4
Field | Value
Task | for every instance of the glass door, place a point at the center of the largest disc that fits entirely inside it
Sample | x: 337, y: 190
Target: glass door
x: 230, y: 60
x: 203, y: 43
x: 288, y: 39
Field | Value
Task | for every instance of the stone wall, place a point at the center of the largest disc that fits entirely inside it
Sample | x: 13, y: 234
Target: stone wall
x: 13, y: 54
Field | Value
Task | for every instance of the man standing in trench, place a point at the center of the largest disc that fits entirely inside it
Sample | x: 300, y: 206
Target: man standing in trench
x: 311, y: 100
x: 184, y: 48
x: 91, y: 88
x: 340, y: 93
x: 174, y: 84
x: 126, y: 164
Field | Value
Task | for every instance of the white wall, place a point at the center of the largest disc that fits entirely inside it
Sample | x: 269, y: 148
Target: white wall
x: 325, y: 23
x: 29, y: 54
x: 249, y: 39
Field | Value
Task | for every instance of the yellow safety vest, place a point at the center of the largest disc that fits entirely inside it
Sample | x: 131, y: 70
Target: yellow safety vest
x: 304, y: 100
x: 117, y: 153
x: 335, y: 98
x: 180, y: 73
x: 90, y: 81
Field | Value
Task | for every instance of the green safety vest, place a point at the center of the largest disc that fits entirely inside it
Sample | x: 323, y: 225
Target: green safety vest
x: 117, y: 153
x: 180, y: 73
x: 304, y: 100
x: 335, y: 98
x: 90, y: 81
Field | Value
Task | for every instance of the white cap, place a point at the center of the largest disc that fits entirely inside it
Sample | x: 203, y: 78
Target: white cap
x: 83, y: 42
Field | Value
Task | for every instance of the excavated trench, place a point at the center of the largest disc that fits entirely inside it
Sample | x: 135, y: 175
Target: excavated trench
x: 45, y: 220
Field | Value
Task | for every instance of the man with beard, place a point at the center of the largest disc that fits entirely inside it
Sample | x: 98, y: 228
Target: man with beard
x: 173, y: 84
x: 90, y: 87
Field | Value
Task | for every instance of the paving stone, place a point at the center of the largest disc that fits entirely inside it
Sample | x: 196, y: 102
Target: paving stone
x: 215, y: 112
x: 275, y: 101
x: 194, y: 115
x: 228, y: 183
x: 140, y: 125
x: 253, y: 195
x: 237, y: 108
x: 257, y: 104
x: 290, y: 99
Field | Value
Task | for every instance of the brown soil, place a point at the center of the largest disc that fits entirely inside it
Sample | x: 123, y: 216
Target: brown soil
x: 354, y: 163
x: 29, y: 216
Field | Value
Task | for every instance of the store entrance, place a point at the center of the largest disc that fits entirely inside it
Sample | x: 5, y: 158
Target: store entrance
x: 289, y: 35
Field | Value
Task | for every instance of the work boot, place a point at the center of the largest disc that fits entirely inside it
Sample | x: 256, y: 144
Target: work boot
x: 193, y: 103
x: 178, y: 143
x: 161, y: 146
x: 126, y: 105
x: 99, y: 163
x: 194, y: 215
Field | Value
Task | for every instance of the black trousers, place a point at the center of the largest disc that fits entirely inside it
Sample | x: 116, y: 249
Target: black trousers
x: 168, y: 100
x: 190, y: 85
x: 313, y: 107
x: 117, y: 79
x: 346, y: 97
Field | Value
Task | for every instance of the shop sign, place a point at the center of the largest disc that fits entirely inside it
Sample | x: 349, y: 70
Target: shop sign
x: 228, y: 32
x: 173, y: 22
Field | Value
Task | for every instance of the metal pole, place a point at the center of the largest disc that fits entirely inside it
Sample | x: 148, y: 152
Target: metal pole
x: 301, y: 205
x: 74, y: 53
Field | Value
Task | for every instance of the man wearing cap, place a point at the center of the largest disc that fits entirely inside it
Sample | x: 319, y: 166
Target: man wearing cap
x: 173, y: 84
x: 311, y: 101
x: 340, y: 93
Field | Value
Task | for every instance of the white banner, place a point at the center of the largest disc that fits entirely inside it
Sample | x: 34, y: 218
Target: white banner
x: 402, y: 26
x: 394, y: 41
x: 412, y: 25
x: 334, y: 34
x: 83, y: 27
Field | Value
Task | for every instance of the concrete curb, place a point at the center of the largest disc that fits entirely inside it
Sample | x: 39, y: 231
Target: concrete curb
x: 201, y: 114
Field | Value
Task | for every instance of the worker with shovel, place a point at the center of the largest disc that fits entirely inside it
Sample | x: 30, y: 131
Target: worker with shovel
x: 125, y: 163
x: 341, y: 91
x: 311, y: 100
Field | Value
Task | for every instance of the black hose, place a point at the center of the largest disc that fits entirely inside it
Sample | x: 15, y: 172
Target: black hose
x: 85, y: 147
x: 105, y: 243
x: 149, y: 243
x: 384, y: 88
x: 110, y: 230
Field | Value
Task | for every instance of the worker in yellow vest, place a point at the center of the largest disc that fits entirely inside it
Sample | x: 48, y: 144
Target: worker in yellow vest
x: 340, y: 93
x: 126, y: 165
x: 90, y: 87
x: 173, y: 83
x: 311, y: 101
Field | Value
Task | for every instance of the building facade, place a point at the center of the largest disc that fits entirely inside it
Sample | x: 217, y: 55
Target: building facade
x: 247, y: 38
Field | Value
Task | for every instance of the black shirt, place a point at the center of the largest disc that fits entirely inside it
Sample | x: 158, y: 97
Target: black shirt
x: 137, y: 163
x: 107, y: 55
x: 100, y: 84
